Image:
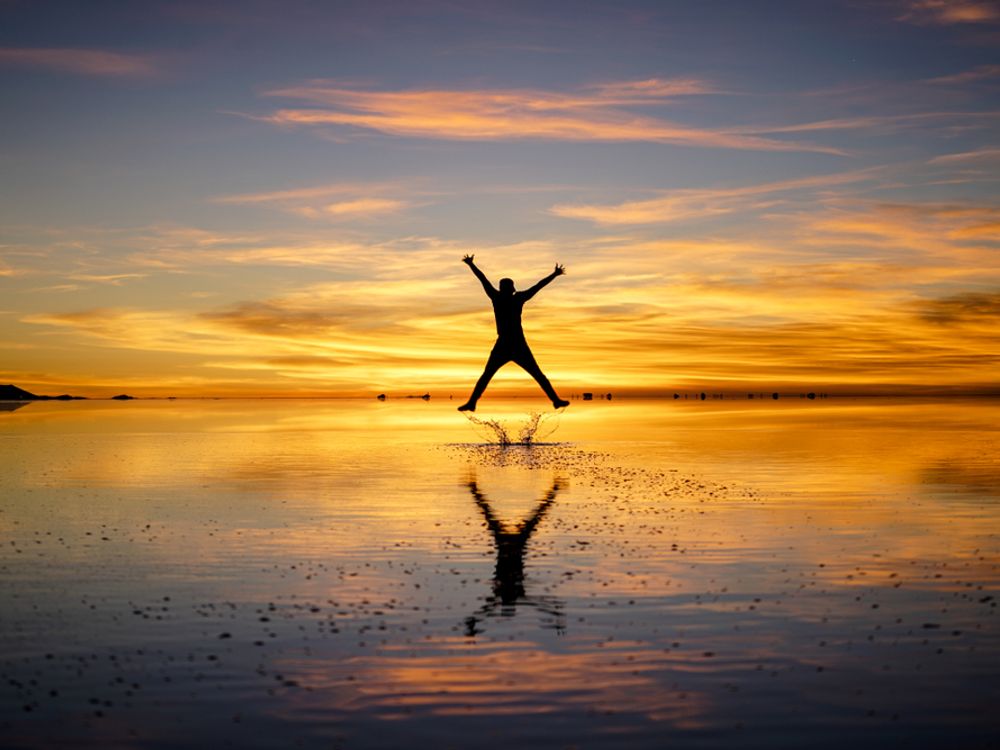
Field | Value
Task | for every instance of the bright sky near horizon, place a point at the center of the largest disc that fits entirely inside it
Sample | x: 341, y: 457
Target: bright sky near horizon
x: 226, y: 198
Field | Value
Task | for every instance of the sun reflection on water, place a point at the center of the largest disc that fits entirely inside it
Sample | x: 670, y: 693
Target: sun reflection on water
x: 348, y: 569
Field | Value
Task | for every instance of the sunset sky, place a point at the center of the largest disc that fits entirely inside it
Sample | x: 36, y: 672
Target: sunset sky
x: 273, y: 198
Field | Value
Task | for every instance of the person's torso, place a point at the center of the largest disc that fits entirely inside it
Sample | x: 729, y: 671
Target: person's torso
x: 507, y: 310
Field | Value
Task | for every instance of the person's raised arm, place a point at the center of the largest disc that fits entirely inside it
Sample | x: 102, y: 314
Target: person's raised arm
x: 559, y: 271
x: 484, y: 505
x: 525, y: 529
x: 469, y: 260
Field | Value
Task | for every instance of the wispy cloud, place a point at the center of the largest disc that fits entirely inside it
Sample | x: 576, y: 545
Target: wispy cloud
x: 883, y: 123
x: 959, y: 235
x: 868, y: 294
x: 975, y: 75
x: 91, y: 62
x: 55, y: 289
x: 685, y: 204
x: 336, y: 201
x: 950, y: 12
x: 362, y: 207
x: 969, y: 308
x: 295, y: 195
x: 190, y: 249
x: 114, y: 279
x: 978, y: 157
x: 704, y: 332
x: 600, y: 112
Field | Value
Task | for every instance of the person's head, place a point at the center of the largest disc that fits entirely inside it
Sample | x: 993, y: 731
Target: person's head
x: 506, y: 286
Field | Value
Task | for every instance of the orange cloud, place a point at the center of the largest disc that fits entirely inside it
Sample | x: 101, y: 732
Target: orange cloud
x: 363, y: 207
x: 596, y: 113
x: 969, y: 308
x: 353, y: 201
x: 833, y: 291
x: 980, y: 73
x: 885, y: 123
x: 949, y: 12
x: 82, y: 61
x: 676, y: 315
x: 185, y: 249
x: 114, y: 279
x: 296, y: 194
x: 956, y: 236
x: 684, y: 204
x: 975, y: 158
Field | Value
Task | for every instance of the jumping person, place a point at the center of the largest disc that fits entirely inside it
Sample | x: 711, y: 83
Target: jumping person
x: 510, y: 345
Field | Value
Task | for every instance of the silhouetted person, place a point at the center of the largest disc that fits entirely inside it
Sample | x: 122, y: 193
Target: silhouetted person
x: 510, y: 345
x: 508, y: 576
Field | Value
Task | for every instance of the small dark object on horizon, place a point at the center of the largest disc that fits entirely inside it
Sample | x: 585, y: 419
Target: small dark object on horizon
x: 122, y: 397
x: 381, y: 397
x: 676, y: 396
x: 703, y: 396
x: 810, y: 395
x: 774, y: 396
x: 588, y: 396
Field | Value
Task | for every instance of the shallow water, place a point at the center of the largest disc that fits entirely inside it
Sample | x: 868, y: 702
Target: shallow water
x: 350, y: 574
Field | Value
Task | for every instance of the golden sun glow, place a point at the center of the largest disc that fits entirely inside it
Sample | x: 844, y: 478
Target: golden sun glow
x: 300, y: 232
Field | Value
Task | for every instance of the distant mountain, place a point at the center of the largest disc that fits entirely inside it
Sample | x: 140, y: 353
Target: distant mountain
x: 13, y: 393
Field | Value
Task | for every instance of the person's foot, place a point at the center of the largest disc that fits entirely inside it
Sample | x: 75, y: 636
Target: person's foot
x: 559, y: 403
x: 470, y: 406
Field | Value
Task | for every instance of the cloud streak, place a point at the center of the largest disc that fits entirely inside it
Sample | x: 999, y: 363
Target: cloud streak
x: 950, y: 12
x: 679, y: 205
x: 884, y: 123
x: 974, y: 158
x: 974, y: 75
x: 91, y: 62
x: 600, y: 112
x: 333, y: 202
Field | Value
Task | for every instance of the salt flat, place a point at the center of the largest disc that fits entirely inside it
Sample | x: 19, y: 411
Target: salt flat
x: 362, y: 574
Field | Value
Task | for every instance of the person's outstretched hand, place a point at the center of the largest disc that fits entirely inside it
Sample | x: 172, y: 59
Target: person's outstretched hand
x: 467, y: 260
x: 560, y: 269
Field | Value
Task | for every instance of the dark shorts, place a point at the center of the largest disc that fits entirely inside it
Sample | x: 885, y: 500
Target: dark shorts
x: 516, y: 351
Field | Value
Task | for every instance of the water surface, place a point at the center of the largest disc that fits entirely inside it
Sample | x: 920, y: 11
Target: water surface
x: 363, y: 574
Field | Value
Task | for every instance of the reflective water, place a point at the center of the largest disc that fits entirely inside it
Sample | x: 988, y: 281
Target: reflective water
x: 360, y: 574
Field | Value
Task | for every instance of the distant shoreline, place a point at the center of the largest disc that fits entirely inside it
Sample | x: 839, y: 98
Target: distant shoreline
x: 13, y: 393
x: 629, y: 398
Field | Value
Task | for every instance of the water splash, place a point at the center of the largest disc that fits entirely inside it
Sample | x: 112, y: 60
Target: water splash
x: 513, y: 432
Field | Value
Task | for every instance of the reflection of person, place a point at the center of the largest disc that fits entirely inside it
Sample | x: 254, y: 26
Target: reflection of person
x: 510, y: 345
x: 508, y: 576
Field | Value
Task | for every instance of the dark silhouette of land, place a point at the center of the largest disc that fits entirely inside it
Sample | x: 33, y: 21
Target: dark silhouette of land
x: 508, y: 576
x: 510, y: 345
x: 13, y: 393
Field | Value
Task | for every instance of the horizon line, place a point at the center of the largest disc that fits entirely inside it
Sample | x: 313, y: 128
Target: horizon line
x: 701, y: 391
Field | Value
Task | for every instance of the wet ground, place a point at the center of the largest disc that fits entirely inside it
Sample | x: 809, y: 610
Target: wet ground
x: 362, y: 574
